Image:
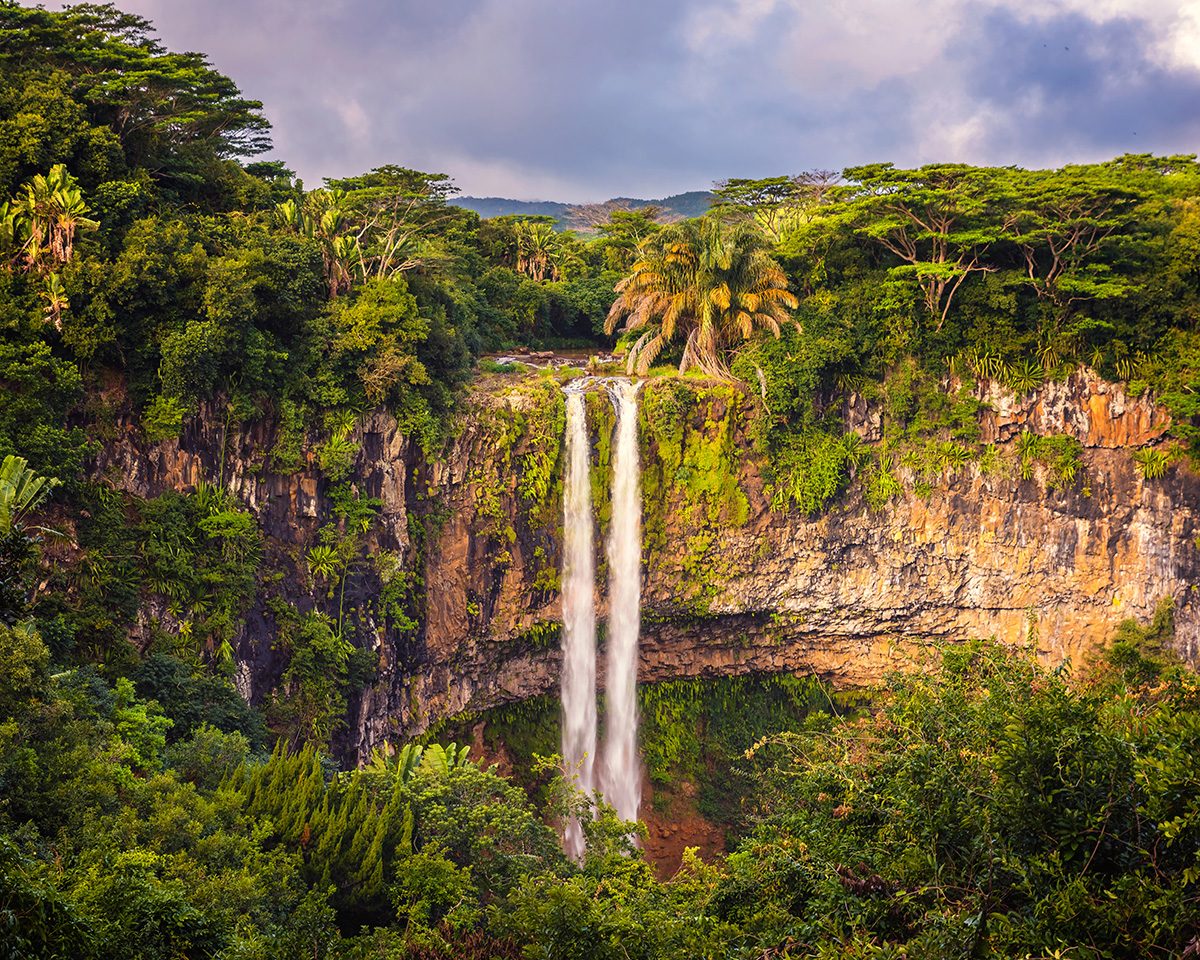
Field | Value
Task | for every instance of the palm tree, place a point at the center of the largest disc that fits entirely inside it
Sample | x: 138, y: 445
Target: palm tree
x: 540, y: 251
x: 70, y: 216
x: 341, y: 254
x: 290, y: 215
x: 52, y: 211
x: 21, y: 492
x: 13, y: 234
x: 713, y: 283
x: 32, y: 207
x: 323, y: 218
x: 55, y: 296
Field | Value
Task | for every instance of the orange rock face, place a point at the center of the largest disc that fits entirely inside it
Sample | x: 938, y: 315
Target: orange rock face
x: 1094, y: 411
x: 850, y: 595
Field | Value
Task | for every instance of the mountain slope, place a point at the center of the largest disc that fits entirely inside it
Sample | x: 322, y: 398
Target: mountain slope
x: 690, y: 204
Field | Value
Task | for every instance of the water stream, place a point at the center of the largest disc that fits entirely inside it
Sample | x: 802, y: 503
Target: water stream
x: 621, y: 770
x: 579, y: 615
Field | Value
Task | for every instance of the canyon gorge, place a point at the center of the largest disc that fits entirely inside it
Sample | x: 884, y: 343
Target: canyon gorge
x: 730, y: 584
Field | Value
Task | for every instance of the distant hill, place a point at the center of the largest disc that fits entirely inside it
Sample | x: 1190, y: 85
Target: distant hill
x: 694, y: 203
x: 501, y: 207
x: 690, y: 204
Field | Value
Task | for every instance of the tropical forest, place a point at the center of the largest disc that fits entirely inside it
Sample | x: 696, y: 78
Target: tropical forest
x: 810, y: 569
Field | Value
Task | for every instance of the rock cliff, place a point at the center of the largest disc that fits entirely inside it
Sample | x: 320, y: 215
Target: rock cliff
x: 731, y: 585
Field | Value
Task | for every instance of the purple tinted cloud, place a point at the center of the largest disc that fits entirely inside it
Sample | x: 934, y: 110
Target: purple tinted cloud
x: 582, y: 101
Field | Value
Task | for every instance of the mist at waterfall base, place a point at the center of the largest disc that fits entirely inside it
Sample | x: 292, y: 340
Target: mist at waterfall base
x: 620, y: 769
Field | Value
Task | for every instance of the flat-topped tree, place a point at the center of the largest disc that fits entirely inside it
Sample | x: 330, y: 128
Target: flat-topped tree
x: 398, y: 218
x: 425, y: 190
x: 377, y: 225
x: 172, y: 112
x: 1064, y: 223
x: 624, y: 231
x: 775, y: 204
x: 764, y: 202
x: 939, y: 220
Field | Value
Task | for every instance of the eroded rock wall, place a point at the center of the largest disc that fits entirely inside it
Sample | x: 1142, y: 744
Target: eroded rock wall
x: 730, y: 584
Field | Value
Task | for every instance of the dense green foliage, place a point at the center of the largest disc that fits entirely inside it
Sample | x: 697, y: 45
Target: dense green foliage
x: 987, y: 808
x: 156, y: 280
x: 915, y: 285
x: 152, y: 278
x: 692, y: 736
x: 135, y: 243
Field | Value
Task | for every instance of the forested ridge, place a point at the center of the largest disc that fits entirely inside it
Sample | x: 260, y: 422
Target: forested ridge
x: 153, y: 271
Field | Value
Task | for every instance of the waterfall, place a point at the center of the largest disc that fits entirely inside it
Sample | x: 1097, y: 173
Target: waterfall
x: 621, y: 768
x: 621, y: 772
x: 579, y: 615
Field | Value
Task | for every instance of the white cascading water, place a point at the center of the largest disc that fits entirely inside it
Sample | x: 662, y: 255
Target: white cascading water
x: 579, y: 616
x: 621, y: 772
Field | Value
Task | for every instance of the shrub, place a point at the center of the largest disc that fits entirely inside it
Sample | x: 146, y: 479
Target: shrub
x: 1151, y: 463
x: 1024, y: 376
x: 1060, y: 453
x: 812, y: 468
x: 880, y: 483
x: 488, y: 365
x: 163, y: 419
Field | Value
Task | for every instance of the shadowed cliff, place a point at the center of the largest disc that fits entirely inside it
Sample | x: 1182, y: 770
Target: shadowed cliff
x: 732, y: 585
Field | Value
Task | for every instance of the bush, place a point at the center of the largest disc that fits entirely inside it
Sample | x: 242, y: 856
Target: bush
x: 488, y: 365
x: 1151, y: 463
x: 163, y: 419
x: 990, y: 806
x: 810, y: 469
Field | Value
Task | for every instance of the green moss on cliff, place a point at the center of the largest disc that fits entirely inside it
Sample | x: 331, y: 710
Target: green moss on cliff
x: 602, y: 421
x: 516, y: 473
x: 692, y: 464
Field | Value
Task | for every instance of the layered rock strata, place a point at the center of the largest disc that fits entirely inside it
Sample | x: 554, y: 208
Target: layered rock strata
x: 731, y: 585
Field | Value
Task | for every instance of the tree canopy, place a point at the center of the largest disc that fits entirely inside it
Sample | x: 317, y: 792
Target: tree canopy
x: 710, y: 284
x: 158, y: 281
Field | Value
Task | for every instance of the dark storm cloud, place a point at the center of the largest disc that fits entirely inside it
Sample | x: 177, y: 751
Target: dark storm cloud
x: 577, y: 100
x: 1070, y: 87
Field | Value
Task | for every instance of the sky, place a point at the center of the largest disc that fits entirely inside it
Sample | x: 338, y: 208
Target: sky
x: 582, y: 100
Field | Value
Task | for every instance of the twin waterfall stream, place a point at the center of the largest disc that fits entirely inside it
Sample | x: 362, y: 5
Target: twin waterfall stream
x: 619, y: 767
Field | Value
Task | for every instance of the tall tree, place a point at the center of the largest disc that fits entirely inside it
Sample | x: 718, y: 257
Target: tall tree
x: 1064, y: 222
x: 624, y: 231
x: 710, y: 282
x: 170, y: 111
x: 775, y: 204
x: 939, y: 220
x: 398, y: 218
x: 381, y: 224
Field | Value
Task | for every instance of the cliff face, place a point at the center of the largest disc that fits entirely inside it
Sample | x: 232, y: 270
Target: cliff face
x: 730, y: 584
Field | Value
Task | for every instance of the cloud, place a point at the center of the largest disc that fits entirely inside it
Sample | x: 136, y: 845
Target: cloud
x: 577, y: 101
x: 1073, y: 87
